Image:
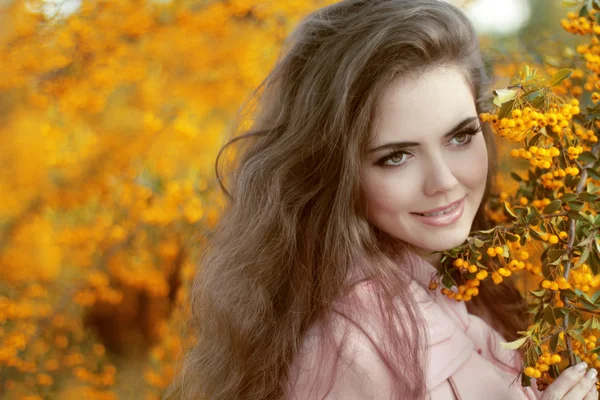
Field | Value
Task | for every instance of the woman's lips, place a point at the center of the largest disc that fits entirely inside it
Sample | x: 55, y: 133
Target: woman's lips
x: 444, y: 219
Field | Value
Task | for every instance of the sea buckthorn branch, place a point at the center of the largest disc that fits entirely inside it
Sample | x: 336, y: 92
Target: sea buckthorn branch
x: 550, y: 207
x: 571, y: 241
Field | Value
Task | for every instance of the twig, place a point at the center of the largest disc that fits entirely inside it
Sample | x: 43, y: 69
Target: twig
x: 560, y: 214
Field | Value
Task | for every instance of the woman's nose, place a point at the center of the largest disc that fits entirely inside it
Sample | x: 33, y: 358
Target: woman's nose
x: 439, y: 177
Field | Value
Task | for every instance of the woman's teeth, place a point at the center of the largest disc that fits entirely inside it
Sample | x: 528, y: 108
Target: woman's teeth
x: 441, y: 212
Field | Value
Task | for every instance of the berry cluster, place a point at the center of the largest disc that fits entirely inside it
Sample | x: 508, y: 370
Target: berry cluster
x: 523, y: 122
x: 580, y: 25
x: 583, y: 279
x: 543, y: 364
x: 583, y: 351
x: 540, y: 370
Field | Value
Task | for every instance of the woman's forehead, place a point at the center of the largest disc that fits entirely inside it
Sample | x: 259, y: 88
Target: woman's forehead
x: 433, y: 102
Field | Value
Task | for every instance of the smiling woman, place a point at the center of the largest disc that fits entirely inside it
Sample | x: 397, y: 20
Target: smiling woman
x: 427, y: 191
x: 366, y: 155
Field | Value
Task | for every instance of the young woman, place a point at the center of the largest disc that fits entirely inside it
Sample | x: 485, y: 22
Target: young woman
x: 366, y: 157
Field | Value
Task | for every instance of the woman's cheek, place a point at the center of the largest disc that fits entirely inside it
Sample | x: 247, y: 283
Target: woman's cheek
x: 480, y: 161
x: 473, y: 165
x: 387, y: 194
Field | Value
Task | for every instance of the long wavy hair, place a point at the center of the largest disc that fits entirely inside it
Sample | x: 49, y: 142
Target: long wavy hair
x: 295, y: 225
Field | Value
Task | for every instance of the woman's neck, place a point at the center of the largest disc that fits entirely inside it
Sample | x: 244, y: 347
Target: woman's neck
x: 433, y: 259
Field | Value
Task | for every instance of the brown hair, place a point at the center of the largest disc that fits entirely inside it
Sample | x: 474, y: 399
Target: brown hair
x: 295, y: 223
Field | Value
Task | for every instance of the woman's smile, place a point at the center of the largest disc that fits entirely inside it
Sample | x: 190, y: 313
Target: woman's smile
x: 442, y: 218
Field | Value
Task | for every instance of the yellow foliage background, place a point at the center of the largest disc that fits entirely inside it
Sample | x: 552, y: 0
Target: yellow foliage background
x: 110, y: 121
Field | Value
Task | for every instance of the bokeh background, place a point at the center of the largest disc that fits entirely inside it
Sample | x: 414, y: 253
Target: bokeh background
x: 111, y: 115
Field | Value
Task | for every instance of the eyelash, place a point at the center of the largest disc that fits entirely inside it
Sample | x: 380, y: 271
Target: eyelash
x: 469, y: 132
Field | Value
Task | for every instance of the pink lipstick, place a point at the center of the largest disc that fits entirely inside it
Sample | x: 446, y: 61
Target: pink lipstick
x: 442, y: 216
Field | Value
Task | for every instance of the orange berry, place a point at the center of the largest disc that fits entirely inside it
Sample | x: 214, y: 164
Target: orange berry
x: 563, y: 235
x: 546, y: 284
x: 481, y: 275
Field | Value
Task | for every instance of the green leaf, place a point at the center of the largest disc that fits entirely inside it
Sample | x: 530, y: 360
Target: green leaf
x: 539, y: 293
x: 592, y: 188
x: 584, y: 11
x: 592, y: 173
x: 564, y: 310
x: 478, y: 243
x: 533, y: 141
x: 505, y: 109
x: 506, y: 251
x: 533, y: 219
x: 571, y: 3
x: 533, y: 308
x: 594, y: 263
x: 575, y: 205
x: 504, y: 95
x: 585, y: 196
x: 526, y: 380
x: 584, y: 257
x: 552, y: 207
x: 589, y: 217
x: 577, y: 216
x: 508, y: 209
x: 448, y: 282
x: 568, y: 197
x: 560, y: 76
x: 523, y: 239
x: 554, y: 342
x: 535, y: 234
x: 587, y: 156
x: 569, y: 293
x: 549, y: 316
x: 554, y: 255
x: 515, y: 344
x: 510, y: 237
x: 587, y: 304
x: 531, y: 96
x: 516, y: 177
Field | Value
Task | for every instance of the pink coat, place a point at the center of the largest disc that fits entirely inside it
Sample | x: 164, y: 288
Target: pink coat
x: 465, y: 359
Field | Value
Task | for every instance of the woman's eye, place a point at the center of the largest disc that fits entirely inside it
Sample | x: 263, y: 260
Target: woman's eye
x: 461, y: 138
x: 394, y: 159
x: 397, y: 158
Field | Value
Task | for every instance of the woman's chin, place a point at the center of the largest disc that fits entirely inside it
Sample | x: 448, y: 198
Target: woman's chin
x: 445, y: 244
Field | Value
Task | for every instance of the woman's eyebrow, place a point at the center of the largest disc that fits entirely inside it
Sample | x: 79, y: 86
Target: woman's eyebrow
x: 402, y: 145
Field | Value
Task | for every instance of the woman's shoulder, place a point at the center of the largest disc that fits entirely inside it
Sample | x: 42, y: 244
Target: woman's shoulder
x: 352, y: 367
x: 447, y: 345
x: 441, y: 319
x: 345, y: 365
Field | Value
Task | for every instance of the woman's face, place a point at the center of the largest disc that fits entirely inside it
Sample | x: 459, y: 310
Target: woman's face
x: 424, y: 175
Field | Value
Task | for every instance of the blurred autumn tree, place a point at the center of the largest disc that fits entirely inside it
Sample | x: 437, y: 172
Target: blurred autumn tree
x: 111, y: 118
